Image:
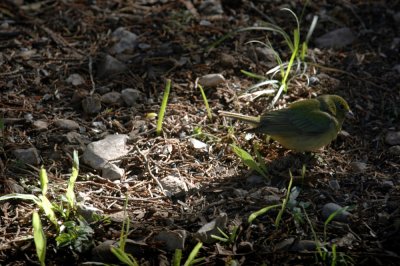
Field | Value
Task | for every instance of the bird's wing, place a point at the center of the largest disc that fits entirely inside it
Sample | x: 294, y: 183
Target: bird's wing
x: 314, y: 123
x: 292, y: 122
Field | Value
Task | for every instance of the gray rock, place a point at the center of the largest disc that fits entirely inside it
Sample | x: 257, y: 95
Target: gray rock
x: 211, y: 228
x: 337, y: 39
x: 40, y: 125
x: 211, y: 80
x: 91, y: 104
x: 358, y: 167
x: 112, y: 98
x: 173, y: 185
x: 75, y: 79
x: 172, y: 240
x: 395, y: 150
x: 341, y: 216
x: 28, y: 156
x: 393, y: 138
x: 124, y: 40
x: 66, y: 124
x: 131, y: 96
x: 98, y: 153
x: 109, y: 66
x: 112, y: 172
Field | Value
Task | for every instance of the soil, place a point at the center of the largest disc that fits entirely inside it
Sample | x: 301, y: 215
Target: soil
x: 43, y: 43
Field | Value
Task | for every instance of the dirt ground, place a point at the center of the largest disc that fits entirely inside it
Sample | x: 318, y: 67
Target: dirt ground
x: 42, y: 43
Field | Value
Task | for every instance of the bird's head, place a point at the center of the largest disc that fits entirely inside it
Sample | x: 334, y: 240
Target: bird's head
x: 337, y: 106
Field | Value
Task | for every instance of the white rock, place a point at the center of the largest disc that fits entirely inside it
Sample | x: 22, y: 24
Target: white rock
x: 173, y: 184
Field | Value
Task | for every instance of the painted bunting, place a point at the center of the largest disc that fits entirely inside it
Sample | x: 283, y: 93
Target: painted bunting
x: 305, y: 125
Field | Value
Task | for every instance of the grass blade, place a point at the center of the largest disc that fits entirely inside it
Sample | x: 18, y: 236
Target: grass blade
x: 163, y: 107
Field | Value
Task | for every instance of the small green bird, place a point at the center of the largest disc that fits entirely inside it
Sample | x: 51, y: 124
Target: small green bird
x: 305, y: 125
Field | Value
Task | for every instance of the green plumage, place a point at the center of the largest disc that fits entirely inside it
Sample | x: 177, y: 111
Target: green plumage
x: 305, y: 125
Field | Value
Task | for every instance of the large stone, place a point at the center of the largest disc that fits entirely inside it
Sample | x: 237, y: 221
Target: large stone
x: 98, y: 153
x: 336, y: 39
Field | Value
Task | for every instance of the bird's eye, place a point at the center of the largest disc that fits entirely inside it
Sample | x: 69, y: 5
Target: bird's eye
x: 341, y: 106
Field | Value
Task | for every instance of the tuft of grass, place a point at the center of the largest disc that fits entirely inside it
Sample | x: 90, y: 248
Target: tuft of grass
x: 298, y: 51
x: 71, y: 229
x: 163, y: 107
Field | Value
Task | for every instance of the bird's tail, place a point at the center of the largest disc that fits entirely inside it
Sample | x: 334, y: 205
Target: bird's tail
x: 246, y: 118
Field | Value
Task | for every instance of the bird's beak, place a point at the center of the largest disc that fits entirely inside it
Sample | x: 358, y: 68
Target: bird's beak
x: 350, y: 114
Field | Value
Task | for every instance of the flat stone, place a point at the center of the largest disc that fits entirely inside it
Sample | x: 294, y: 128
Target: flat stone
x: 28, y: 156
x: 66, y: 124
x: 98, y: 153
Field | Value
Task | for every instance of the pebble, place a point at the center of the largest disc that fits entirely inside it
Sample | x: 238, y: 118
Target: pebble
x: 75, y: 79
x: 211, y: 80
x: 66, y: 124
x: 112, y: 98
x: 227, y: 60
x: 124, y: 40
x: 40, y: 125
x: 131, y: 96
x: 334, y: 184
